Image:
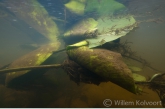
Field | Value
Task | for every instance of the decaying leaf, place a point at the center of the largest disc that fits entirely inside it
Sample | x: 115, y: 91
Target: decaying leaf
x: 106, y: 64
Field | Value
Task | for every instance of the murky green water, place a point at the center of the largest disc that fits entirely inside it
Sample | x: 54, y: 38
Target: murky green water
x: 55, y: 88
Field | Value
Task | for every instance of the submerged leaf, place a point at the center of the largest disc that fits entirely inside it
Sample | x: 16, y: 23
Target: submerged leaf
x: 103, y: 7
x: 75, y: 6
x: 135, y: 69
x: 34, y: 58
x: 103, y: 30
x: 112, y: 29
x: 36, y: 16
x: 104, y: 63
x: 81, y: 28
x: 138, y: 77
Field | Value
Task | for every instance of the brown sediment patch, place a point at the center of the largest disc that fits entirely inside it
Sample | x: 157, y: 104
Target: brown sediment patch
x: 107, y: 90
x: 91, y: 95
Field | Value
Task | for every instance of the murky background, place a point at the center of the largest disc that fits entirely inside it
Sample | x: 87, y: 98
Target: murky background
x: 55, y: 88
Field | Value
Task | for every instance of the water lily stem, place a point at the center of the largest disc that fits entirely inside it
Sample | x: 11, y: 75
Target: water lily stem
x: 30, y: 68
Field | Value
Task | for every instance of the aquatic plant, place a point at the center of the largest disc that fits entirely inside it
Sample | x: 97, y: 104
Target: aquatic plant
x: 36, y: 16
x: 33, y: 58
x: 103, y: 8
x: 80, y: 28
x: 156, y: 83
x: 104, y: 63
x: 76, y: 6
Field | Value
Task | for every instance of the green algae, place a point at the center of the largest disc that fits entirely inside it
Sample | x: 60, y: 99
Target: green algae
x: 106, y: 64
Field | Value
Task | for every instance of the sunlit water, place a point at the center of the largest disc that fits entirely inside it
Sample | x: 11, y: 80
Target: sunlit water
x: 54, y: 88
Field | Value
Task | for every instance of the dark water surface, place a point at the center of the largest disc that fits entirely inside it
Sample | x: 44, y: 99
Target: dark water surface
x: 55, y: 88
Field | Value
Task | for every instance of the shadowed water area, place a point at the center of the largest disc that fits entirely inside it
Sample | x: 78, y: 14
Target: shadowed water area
x: 20, y: 35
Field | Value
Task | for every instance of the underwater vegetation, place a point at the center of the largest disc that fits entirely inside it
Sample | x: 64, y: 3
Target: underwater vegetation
x: 92, y: 48
x: 106, y: 64
x: 36, y: 16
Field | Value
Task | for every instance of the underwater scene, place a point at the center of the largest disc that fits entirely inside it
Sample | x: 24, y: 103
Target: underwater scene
x: 82, y: 53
